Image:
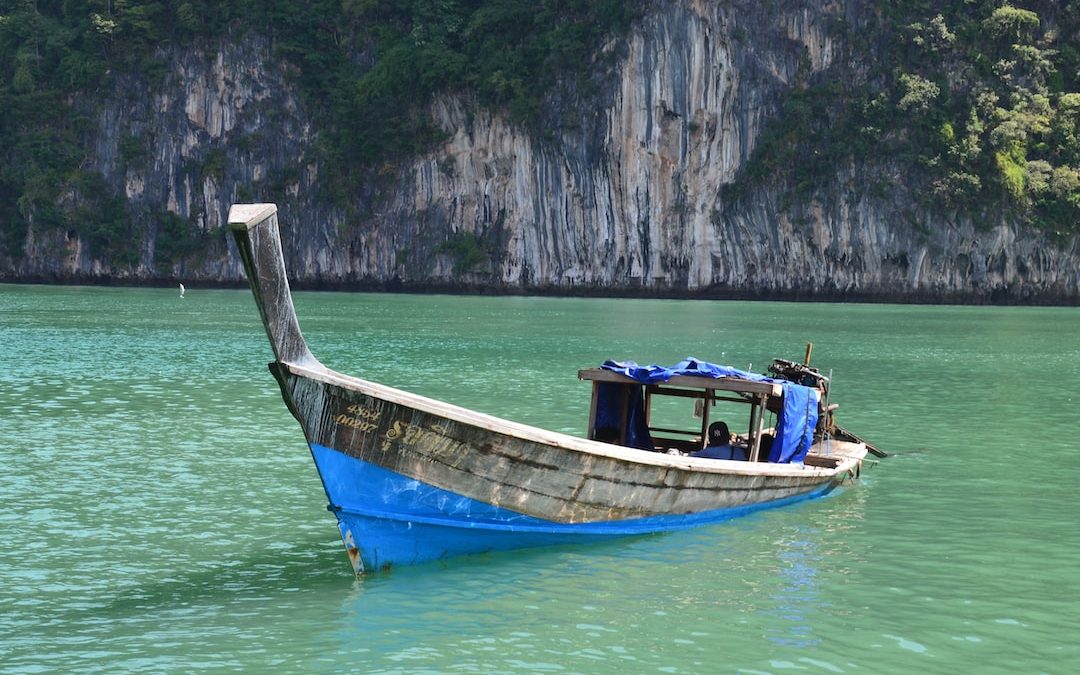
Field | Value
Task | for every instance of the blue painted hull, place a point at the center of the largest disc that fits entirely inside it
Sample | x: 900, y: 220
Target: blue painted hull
x: 388, y: 519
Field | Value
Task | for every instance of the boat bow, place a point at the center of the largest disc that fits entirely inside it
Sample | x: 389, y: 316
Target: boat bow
x: 255, y: 229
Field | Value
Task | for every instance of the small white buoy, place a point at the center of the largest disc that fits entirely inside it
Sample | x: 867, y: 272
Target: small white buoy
x: 182, y: 290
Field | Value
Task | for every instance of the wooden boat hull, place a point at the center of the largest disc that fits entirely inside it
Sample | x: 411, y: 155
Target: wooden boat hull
x: 412, y: 479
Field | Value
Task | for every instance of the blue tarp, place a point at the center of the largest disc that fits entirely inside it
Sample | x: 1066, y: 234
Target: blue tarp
x: 609, y: 413
x: 690, y: 366
x: 795, y: 423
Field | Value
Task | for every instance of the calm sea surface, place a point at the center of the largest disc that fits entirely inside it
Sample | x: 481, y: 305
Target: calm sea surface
x: 159, y: 511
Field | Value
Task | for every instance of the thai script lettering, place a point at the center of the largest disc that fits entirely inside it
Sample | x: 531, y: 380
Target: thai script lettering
x: 359, y: 417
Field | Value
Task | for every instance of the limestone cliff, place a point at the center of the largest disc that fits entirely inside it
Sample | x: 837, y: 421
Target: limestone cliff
x: 628, y: 199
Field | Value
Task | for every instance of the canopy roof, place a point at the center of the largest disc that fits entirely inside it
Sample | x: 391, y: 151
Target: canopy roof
x: 691, y: 372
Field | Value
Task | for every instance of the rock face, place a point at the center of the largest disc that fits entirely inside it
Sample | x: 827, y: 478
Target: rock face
x: 629, y: 199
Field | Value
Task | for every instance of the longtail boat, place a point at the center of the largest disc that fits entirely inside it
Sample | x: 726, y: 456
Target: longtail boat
x: 413, y: 479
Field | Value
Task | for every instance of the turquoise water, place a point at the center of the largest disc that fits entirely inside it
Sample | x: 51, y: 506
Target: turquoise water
x: 159, y: 511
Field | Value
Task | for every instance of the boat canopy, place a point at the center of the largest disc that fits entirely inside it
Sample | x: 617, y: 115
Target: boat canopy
x: 796, y: 420
x: 689, y: 366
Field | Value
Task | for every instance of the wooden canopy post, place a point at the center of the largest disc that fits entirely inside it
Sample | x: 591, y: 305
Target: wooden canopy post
x: 753, y: 425
x: 705, y: 406
x: 759, y: 409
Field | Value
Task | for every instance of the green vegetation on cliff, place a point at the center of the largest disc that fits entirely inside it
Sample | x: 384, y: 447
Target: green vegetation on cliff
x: 976, y: 103
x: 369, y: 69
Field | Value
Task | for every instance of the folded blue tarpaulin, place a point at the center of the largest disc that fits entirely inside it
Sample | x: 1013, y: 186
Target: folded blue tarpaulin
x: 689, y: 366
x: 795, y: 423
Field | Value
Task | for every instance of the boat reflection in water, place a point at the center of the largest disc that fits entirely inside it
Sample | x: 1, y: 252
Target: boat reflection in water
x: 412, y: 479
